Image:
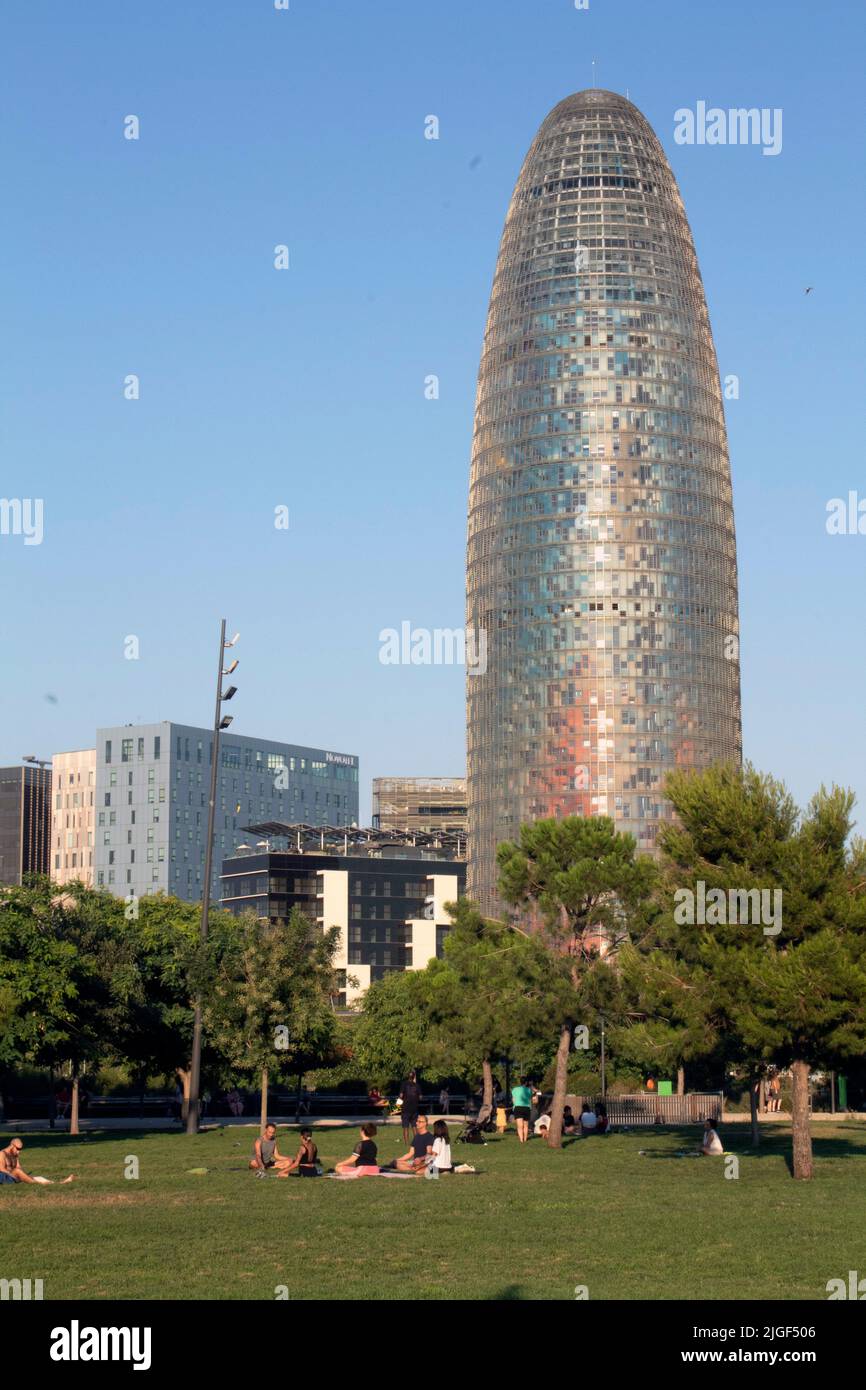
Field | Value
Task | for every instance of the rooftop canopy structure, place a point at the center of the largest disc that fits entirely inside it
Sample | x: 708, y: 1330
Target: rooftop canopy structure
x: 353, y: 839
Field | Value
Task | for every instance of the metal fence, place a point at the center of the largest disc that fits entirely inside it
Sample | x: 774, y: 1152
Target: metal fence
x: 649, y: 1109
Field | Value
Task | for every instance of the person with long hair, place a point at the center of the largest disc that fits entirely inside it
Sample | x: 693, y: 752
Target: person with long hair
x: 442, y: 1148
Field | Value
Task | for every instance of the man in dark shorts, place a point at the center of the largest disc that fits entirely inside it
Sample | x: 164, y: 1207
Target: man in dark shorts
x: 266, y: 1155
x: 410, y: 1095
x: 420, y: 1152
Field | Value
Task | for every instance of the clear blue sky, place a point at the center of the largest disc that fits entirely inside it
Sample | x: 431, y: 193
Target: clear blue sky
x: 305, y: 387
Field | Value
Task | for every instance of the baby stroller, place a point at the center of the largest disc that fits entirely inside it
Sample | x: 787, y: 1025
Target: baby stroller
x: 476, y: 1125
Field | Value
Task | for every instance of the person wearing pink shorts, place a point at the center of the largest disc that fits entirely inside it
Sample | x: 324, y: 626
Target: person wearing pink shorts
x: 363, y: 1161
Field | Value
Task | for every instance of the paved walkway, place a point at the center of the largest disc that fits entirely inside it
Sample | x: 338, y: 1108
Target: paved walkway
x: 221, y: 1122
x: 346, y: 1122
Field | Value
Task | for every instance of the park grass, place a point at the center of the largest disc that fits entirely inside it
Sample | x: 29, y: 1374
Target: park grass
x: 534, y: 1224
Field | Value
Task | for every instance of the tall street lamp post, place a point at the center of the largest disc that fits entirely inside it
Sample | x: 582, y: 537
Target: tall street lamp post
x: 221, y: 721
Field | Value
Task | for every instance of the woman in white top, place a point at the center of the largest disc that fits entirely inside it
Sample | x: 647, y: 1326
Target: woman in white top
x: 711, y: 1144
x: 441, y: 1148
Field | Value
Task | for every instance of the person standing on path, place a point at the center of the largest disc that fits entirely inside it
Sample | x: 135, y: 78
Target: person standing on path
x: 410, y: 1095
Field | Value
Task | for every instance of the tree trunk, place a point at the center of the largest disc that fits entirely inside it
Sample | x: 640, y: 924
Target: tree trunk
x: 754, y: 1092
x: 184, y: 1078
x: 264, y: 1096
x: 487, y: 1085
x: 681, y: 1080
x: 73, y: 1113
x: 802, y: 1133
x: 554, y: 1133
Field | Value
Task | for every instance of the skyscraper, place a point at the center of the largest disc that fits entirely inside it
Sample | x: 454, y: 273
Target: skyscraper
x: 601, y: 552
x: 25, y: 822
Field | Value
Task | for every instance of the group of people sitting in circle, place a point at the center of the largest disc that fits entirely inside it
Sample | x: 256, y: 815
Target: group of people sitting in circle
x: 428, y: 1154
x: 592, y: 1119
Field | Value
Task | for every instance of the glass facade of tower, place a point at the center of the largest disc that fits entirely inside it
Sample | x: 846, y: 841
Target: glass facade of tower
x: 601, y: 550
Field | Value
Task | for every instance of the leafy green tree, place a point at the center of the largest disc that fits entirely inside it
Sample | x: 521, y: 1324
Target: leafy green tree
x: 156, y: 1035
x: 268, y: 1007
x: 583, y: 887
x: 391, y: 1037
x: 70, y: 972
x: 495, y: 991
x: 784, y: 982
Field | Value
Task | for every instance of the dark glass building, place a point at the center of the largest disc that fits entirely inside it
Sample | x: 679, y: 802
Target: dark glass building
x: 389, y: 906
x: 601, y: 551
x: 25, y: 822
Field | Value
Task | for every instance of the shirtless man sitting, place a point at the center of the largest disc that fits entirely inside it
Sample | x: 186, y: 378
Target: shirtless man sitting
x: 10, y: 1166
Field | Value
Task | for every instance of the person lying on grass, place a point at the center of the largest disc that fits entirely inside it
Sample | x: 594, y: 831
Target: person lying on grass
x: 363, y: 1160
x: 420, y: 1151
x: 11, y: 1170
x: 266, y: 1155
x: 306, y: 1161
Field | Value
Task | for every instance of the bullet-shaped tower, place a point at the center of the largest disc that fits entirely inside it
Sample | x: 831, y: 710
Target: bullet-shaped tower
x: 601, y: 561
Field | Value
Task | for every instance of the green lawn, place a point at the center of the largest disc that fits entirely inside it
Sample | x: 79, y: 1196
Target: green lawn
x: 534, y: 1224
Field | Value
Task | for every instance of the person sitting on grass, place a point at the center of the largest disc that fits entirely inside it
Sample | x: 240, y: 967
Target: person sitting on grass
x: 363, y: 1160
x: 266, y: 1155
x: 602, y: 1122
x: 569, y: 1123
x: 442, y: 1148
x: 11, y: 1170
x: 420, y: 1151
x: 588, y: 1119
x: 306, y: 1161
x: 542, y: 1125
x: 711, y: 1144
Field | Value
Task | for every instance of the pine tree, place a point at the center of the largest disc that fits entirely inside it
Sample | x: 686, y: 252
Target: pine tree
x: 584, y: 887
